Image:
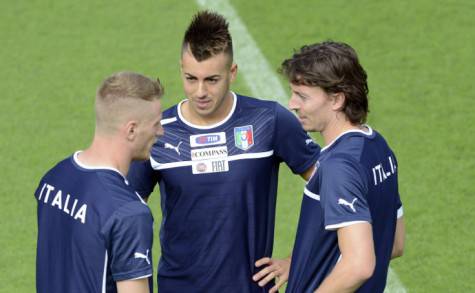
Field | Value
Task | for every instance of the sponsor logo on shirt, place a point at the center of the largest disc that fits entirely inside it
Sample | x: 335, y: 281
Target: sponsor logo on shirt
x: 343, y: 202
x: 207, y: 139
x: 141, y: 255
x: 244, y: 137
x: 210, y: 166
x: 209, y: 153
x: 172, y: 147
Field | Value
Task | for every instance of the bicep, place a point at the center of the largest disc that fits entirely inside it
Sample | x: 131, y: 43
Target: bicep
x: 308, y: 173
x: 356, y: 243
x: 133, y: 286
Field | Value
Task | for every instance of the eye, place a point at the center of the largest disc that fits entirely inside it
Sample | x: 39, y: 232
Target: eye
x: 212, y: 80
x: 190, y: 78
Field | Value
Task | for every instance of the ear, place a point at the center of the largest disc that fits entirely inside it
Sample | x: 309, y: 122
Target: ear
x: 130, y: 129
x: 233, y: 70
x: 338, y: 101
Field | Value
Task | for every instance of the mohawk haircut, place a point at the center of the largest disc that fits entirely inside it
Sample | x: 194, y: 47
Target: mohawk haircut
x: 208, y: 35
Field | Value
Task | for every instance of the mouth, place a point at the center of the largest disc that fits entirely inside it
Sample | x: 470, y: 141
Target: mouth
x: 203, y: 104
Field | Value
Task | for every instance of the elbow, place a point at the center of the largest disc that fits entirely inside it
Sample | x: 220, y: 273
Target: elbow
x: 397, y: 252
x: 367, y: 271
x: 364, y: 270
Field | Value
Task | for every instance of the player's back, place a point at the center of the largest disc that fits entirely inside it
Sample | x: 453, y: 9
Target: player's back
x: 379, y: 165
x: 384, y: 202
x: 75, y: 210
x: 349, y: 186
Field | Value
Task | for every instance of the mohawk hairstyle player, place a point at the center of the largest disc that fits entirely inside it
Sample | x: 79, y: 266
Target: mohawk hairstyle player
x: 351, y: 219
x: 217, y: 167
x: 94, y: 233
x: 207, y: 36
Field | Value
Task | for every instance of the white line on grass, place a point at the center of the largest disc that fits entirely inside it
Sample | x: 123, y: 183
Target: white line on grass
x: 262, y: 80
x: 254, y: 68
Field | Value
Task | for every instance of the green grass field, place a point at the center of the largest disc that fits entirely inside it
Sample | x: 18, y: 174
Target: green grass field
x: 419, y: 56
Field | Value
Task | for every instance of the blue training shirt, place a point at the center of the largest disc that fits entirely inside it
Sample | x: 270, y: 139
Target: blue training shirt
x: 355, y: 181
x: 218, y: 188
x: 93, y: 230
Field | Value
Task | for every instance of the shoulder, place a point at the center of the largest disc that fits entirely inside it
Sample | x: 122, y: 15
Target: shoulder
x: 340, y: 166
x: 245, y: 102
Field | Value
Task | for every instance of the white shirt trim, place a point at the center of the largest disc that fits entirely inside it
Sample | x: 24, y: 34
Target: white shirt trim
x: 160, y: 166
x: 400, y: 212
x: 104, y: 274
x: 367, y: 133
x: 141, y: 277
x: 311, y: 194
x: 167, y: 121
x: 82, y: 165
x: 344, y: 224
x: 207, y: 126
x: 141, y: 199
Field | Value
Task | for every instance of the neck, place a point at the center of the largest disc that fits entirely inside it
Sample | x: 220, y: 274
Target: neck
x: 106, y: 151
x: 338, y: 126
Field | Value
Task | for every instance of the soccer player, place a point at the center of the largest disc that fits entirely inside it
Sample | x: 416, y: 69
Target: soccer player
x: 217, y: 168
x: 94, y: 232
x: 351, y: 219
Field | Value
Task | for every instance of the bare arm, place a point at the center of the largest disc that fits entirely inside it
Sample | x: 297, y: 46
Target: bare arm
x: 133, y: 286
x: 399, y: 239
x: 308, y: 173
x: 357, y: 259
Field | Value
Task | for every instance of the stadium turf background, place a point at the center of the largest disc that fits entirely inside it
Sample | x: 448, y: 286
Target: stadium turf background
x: 419, y: 56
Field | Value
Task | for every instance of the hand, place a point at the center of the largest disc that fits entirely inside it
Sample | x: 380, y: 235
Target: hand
x: 274, y: 268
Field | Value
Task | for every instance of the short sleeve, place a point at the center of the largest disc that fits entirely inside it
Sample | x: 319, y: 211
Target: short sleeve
x: 400, y: 210
x: 292, y: 144
x: 343, y: 193
x: 130, y: 238
x: 142, y: 177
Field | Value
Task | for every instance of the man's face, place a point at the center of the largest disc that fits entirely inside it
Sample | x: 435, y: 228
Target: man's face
x: 312, y: 105
x: 148, y: 129
x: 206, y: 83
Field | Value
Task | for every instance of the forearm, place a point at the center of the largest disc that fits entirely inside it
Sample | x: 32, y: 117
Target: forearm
x: 345, y: 277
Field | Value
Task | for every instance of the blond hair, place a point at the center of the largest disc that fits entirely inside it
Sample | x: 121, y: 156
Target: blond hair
x: 123, y: 96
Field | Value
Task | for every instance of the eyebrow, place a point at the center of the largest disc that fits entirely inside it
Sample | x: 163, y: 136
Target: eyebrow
x: 207, y: 77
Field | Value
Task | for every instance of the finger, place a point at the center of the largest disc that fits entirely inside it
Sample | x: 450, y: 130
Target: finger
x: 259, y: 275
x: 263, y: 261
x: 267, y: 279
x: 277, y: 286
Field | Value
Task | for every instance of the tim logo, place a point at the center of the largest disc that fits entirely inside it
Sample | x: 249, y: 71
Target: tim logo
x: 207, y: 139
x: 343, y: 202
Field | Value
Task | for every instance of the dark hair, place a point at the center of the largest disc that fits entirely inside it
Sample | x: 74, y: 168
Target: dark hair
x: 208, y: 35
x: 334, y: 67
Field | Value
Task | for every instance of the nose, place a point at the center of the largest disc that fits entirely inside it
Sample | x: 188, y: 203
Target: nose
x: 293, y: 102
x: 202, y: 90
x: 160, y: 131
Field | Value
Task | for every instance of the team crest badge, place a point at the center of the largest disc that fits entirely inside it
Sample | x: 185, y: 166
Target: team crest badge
x: 244, y: 137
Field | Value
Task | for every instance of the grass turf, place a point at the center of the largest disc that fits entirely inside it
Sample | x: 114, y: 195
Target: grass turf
x: 418, y: 55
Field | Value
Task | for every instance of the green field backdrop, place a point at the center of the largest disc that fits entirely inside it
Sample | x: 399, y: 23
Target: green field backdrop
x: 419, y: 55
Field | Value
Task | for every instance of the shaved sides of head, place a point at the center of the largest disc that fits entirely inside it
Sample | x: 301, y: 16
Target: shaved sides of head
x: 124, y: 96
x: 208, y: 35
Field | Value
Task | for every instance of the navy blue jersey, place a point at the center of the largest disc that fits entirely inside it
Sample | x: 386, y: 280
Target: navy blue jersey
x: 218, y: 188
x: 93, y: 230
x: 355, y: 181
